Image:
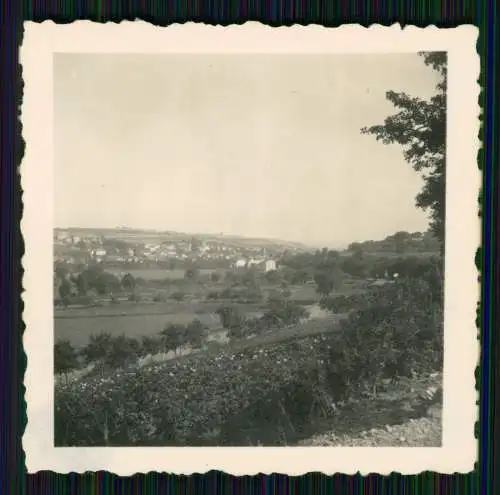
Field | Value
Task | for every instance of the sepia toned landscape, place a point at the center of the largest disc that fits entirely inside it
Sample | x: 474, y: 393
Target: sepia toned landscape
x: 172, y: 338
x: 203, y: 321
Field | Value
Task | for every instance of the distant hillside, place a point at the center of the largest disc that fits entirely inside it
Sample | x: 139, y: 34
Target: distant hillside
x: 153, y: 236
x: 250, y: 241
x: 400, y: 242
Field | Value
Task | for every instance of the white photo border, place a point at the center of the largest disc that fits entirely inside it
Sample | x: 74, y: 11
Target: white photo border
x: 462, y: 291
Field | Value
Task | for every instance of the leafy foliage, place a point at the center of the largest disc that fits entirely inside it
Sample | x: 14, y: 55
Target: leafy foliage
x: 111, y: 352
x: 159, y: 297
x: 95, y: 278
x: 328, y: 275
x: 123, y: 350
x: 65, y: 357
x: 195, y: 333
x: 82, y: 284
x: 221, y: 397
x: 61, y: 271
x: 282, y: 312
x: 134, y: 297
x: 191, y: 274
x: 273, y: 277
x: 150, y: 345
x: 420, y: 127
x: 128, y: 282
x: 98, y: 348
x: 65, y: 289
x: 173, y: 337
x: 230, y: 318
x: 178, y: 296
x: 216, y: 398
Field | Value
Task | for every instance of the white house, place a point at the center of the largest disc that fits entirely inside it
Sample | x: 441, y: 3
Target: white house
x: 270, y: 265
x: 99, y: 252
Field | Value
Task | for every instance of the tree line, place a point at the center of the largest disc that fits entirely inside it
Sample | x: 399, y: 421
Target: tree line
x: 112, y: 352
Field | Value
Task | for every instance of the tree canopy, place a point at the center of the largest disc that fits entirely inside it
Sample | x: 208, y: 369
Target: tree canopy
x: 420, y: 127
x: 65, y: 357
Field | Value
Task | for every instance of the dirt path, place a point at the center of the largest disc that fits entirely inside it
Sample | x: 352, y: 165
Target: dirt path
x: 422, y: 432
x: 407, y: 415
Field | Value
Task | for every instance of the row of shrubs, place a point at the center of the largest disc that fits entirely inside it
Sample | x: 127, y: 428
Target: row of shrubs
x: 113, y: 352
x: 90, y: 301
x: 238, y: 295
x: 280, y: 313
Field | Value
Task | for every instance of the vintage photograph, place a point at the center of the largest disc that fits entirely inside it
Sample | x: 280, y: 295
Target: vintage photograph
x: 253, y: 249
x: 248, y: 250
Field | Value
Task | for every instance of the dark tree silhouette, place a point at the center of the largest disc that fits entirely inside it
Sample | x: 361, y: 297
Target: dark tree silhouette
x: 420, y: 127
x: 173, y: 337
x: 98, y: 348
x: 65, y: 357
x: 128, y: 283
x: 195, y: 333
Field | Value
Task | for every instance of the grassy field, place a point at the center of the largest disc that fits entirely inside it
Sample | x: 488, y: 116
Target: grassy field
x: 135, y: 320
x: 148, y: 318
x: 79, y: 330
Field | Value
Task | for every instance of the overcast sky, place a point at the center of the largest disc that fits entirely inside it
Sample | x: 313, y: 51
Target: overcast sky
x: 255, y: 145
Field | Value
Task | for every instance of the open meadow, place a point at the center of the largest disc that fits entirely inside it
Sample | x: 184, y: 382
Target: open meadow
x: 147, y: 317
x: 134, y: 320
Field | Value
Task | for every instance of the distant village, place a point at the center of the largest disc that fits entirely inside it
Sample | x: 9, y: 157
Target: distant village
x: 84, y: 249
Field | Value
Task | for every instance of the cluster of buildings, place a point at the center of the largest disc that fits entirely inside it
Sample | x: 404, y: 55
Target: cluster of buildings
x: 83, y: 248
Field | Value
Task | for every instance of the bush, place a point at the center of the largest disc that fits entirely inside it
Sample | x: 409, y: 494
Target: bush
x: 397, y: 331
x: 66, y: 301
x: 286, y: 293
x: 255, y: 325
x: 65, y: 357
x: 178, y: 296
x: 159, y: 297
x: 173, y: 337
x: 195, y: 334
x: 273, y: 277
x: 150, y: 345
x: 245, y: 295
x: 123, y: 350
x: 83, y: 300
x: 283, y: 312
x: 111, y: 352
x: 98, y: 348
x: 191, y: 274
x: 213, y: 296
x: 134, y: 297
x: 230, y: 318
